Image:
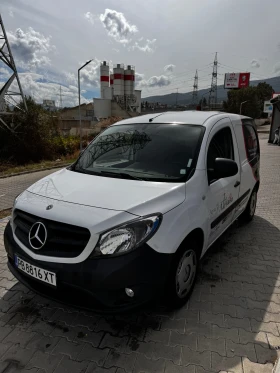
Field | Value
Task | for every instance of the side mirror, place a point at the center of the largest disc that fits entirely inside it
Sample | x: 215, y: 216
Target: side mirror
x: 225, y: 168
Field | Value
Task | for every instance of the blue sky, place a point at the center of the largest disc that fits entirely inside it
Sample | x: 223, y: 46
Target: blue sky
x: 165, y: 40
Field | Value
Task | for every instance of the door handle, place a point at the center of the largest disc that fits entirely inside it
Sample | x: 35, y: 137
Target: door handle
x: 237, y: 183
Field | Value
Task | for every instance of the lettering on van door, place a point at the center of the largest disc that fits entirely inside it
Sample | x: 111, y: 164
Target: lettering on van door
x: 220, y: 206
x: 226, y: 211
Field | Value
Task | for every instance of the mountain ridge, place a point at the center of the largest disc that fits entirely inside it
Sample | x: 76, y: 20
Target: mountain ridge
x: 186, y: 98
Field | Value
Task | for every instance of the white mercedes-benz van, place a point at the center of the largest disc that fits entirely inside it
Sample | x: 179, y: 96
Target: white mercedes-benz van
x: 138, y: 209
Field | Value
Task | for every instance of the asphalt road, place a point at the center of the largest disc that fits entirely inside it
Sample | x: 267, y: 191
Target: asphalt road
x: 10, y: 187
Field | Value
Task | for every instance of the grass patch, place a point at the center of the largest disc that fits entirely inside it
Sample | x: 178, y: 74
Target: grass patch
x: 7, y: 169
x: 5, y: 213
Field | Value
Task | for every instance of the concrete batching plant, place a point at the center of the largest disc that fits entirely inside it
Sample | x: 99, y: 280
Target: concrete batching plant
x: 118, y: 96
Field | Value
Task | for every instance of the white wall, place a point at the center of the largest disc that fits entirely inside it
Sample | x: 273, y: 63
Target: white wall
x: 137, y: 93
x: 108, y: 93
x: 102, y: 108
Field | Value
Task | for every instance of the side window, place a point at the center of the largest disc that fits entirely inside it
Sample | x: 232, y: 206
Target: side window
x: 221, y: 146
x: 251, y: 143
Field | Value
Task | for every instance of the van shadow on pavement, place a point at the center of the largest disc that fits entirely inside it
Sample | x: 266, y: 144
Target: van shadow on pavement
x: 230, y: 322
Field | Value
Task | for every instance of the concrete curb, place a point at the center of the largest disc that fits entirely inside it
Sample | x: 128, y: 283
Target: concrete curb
x: 263, y: 131
x: 32, y: 171
x: 276, y: 368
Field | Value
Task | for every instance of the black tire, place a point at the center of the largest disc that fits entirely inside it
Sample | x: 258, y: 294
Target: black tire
x: 249, y: 213
x: 174, y: 296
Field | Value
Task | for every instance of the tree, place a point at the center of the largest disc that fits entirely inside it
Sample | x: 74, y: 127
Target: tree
x: 255, y: 97
x: 203, y: 102
x: 33, y: 138
x: 265, y: 91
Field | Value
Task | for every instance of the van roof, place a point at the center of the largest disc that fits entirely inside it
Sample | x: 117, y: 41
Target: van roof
x: 188, y: 116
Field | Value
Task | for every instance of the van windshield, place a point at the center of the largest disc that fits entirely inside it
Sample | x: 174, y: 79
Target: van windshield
x: 154, y: 152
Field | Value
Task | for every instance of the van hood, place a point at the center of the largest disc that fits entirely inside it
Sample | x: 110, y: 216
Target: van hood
x: 134, y: 196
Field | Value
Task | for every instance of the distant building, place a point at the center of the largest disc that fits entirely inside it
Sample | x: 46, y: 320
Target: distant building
x: 69, y: 119
x: 49, y: 105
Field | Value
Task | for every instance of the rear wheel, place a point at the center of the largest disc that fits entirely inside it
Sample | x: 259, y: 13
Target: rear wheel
x: 182, y: 275
x: 249, y: 212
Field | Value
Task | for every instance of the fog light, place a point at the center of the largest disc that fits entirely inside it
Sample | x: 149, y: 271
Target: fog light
x: 129, y: 292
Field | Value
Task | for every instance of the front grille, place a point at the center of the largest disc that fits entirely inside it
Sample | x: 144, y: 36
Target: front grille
x: 63, y: 240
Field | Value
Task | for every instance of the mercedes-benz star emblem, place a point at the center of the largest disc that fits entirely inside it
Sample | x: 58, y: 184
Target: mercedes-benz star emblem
x: 37, y: 235
x: 49, y: 207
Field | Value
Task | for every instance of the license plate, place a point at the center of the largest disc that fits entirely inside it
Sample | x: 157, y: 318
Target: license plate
x: 36, y: 272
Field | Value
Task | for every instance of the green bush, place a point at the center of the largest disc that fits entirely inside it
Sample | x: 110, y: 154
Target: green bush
x: 36, y: 137
x: 65, y: 145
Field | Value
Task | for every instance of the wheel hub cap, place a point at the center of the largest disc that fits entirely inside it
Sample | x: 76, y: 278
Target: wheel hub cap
x: 186, y: 273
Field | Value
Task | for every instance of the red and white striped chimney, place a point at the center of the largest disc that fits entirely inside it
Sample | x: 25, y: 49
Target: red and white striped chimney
x: 104, y: 78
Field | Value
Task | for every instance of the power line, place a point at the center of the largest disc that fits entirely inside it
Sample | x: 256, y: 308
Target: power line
x: 223, y: 66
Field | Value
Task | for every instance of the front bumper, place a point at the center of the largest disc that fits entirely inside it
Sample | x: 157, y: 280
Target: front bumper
x: 98, y: 283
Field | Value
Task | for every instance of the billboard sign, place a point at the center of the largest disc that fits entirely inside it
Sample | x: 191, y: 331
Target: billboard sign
x: 267, y: 107
x: 236, y: 80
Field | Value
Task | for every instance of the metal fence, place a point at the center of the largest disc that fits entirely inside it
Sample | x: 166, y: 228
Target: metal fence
x: 10, y: 187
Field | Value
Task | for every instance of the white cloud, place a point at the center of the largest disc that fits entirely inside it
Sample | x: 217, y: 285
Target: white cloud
x: 90, y: 75
x: 11, y: 13
x: 255, y: 64
x: 147, y: 47
x: 169, y: 68
x: 30, y: 48
x: 33, y: 85
x: 116, y: 50
x: 117, y: 26
x: 89, y: 17
x: 4, y: 73
x: 71, y: 78
x: 139, y: 77
x: 155, y: 81
x: 276, y: 68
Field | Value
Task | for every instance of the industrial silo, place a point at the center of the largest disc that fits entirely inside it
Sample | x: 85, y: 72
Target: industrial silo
x: 111, y: 80
x: 118, y: 80
x: 129, y: 80
x: 104, y: 78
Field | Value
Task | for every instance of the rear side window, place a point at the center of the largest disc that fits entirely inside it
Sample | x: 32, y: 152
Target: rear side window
x: 251, y: 143
x: 221, y: 146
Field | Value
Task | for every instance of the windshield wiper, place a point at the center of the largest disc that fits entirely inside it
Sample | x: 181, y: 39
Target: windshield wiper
x: 87, y: 172
x: 122, y: 175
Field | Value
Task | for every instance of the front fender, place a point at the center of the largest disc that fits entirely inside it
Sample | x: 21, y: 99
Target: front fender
x: 179, y: 222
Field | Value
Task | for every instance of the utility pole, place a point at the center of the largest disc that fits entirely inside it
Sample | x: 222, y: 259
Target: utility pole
x: 176, y: 97
x: 195, y: 89
x: 213, y: 89
x: 60, y: 97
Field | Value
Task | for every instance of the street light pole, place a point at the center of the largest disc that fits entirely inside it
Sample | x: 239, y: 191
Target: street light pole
x: 79, y: 92
x: 244, y: 102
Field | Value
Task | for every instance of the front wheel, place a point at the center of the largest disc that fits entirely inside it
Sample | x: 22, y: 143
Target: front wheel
x: 249, y: 212
x: 182, y: 275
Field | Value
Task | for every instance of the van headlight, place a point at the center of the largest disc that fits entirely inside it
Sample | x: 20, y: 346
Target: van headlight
x: 128, y: 237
